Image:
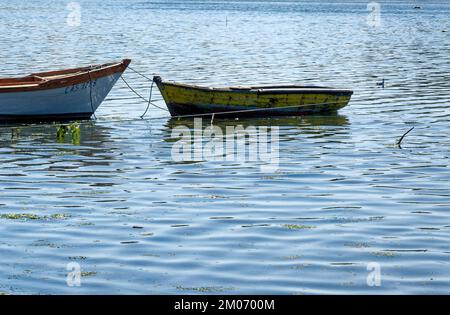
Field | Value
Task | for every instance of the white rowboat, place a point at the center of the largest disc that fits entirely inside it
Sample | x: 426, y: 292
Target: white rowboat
x: 58, y: 95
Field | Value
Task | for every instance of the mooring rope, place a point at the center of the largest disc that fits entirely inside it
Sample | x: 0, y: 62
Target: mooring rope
x: 132, y: 90
x: 90, y: 94
x: 142, y: 75
x: 148, y: 101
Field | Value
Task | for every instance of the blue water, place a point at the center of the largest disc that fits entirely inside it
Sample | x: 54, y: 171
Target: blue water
x: 344, y: 195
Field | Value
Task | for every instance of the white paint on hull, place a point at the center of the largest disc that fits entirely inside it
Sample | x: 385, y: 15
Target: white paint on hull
x: 72, y: 100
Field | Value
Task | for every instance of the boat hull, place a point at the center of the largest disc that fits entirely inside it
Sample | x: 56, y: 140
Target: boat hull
x: 72, y: 102
x: 61, y: 95
x: 246, y: 111
x: 182, y: 100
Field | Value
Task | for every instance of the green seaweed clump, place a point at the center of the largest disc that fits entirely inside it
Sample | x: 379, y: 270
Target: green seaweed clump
x: 15, y: 133
x: 73, y: 130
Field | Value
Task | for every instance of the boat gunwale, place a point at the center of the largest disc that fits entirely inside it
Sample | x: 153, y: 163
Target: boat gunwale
x: 282, y: 89
x: 61, y: 78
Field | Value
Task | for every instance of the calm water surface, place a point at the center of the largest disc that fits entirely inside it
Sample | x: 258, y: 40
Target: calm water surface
x: 344, y: 195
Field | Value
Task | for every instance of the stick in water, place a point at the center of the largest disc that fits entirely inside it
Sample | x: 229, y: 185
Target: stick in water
x: 399, y: 142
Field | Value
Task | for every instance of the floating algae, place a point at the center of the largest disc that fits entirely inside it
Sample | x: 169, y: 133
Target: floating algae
x: 60, y: 216
x: 77, y: 258
x: 384, y: 254
x: 19, y: 216
x: 30, y: 216
x: 88, y: 274
x: 357, y: 245
x: 298, y: 227
x: 299, y: 266
x: 203, y: 289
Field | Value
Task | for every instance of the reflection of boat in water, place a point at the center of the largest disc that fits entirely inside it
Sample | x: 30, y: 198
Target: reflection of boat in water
x: 259, y: 101
x: 94, y: 141
x: 302, y: 124
x: 313, y: 120
x: 34, y: 150
x: 195, y: 140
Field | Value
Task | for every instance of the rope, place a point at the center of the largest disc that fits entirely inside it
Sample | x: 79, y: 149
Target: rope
x: 149, y: 100
x: 142, y: 75
x: 132, y: 90
x: 90, y: 94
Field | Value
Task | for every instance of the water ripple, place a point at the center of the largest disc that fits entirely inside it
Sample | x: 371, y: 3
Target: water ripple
x: 137, y: 222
